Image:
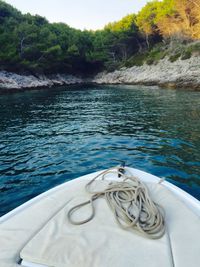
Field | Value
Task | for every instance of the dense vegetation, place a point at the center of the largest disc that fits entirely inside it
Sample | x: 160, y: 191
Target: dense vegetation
x: 32, y: 44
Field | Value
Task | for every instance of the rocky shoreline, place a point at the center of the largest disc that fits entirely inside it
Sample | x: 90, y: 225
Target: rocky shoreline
x: 178, y: 74
x: 15, y: 82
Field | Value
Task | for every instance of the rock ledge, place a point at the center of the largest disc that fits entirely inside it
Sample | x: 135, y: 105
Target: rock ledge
x: 182, y: 73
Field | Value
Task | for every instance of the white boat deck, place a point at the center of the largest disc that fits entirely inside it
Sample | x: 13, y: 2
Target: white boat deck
x: 22, y: 225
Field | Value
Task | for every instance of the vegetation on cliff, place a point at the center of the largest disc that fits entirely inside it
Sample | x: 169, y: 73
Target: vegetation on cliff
x: 32, y: 44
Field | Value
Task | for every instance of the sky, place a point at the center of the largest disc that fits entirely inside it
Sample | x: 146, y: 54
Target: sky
x: 80, y: 14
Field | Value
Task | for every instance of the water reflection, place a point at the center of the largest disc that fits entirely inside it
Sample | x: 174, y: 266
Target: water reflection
x: 50, y: 136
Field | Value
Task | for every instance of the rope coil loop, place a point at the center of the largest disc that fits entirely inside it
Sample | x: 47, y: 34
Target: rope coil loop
x: 130, y: 203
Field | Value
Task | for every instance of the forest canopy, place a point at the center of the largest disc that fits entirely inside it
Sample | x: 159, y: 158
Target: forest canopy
x: 32, y: 44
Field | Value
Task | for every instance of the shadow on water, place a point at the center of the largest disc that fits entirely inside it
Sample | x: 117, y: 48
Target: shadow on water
x: 51, y: 136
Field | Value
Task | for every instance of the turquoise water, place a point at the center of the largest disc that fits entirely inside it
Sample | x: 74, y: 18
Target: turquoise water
x: 50, y: 136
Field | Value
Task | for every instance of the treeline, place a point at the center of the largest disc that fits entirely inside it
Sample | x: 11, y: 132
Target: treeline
x: 32, y: 44
x: 179, y: 19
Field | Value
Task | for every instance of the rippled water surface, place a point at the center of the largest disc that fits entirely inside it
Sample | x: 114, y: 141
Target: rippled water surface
x: 51, y: 136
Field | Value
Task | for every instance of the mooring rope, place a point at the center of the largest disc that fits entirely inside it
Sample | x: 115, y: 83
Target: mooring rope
x: 130, y: 202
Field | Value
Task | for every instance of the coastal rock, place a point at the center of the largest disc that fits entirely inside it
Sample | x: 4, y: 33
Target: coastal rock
x: 182, y: 73
x: 9, y: 80
x: 179, y: 74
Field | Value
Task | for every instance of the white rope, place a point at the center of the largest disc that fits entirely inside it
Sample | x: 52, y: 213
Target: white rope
x: 130, y: 202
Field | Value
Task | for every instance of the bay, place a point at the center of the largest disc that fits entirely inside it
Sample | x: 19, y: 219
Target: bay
x: 51, y: 136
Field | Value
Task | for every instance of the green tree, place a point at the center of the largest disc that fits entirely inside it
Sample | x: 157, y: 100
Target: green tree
x: 147, y: 19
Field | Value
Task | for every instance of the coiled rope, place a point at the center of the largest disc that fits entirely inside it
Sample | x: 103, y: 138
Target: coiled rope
x: 130, y: 203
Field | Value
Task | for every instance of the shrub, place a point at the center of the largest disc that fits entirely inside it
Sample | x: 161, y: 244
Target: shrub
x: 174, y: 57
x: 149, y: 61
x: 136, y: 60
x: 186, y: 55
x: 194, y: 48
